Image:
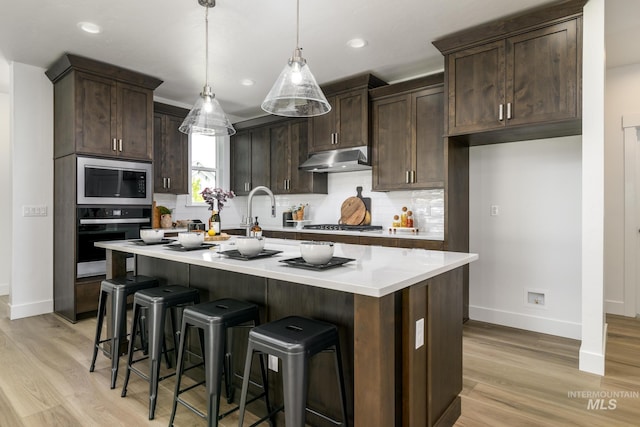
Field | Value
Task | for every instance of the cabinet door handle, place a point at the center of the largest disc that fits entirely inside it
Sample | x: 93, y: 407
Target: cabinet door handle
x: 414, y: 177
x: 164, y: 182
x: 501, y: 112
x: 114, y: 145
x: 508, y: 111
x: 333, y: 138
x: 337, y: 138
x: 168, y: 182
x: 120, y: 144
x: 406, y: 177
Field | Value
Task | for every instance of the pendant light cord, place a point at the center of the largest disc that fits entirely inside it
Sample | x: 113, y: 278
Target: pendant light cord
x: 206, y: 43
x: 297, y: 24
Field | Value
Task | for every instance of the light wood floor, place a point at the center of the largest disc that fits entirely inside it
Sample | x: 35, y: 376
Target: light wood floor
x: 511, y: 378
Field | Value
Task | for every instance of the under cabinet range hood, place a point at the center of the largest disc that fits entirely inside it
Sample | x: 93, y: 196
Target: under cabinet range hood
x: 343, y: 160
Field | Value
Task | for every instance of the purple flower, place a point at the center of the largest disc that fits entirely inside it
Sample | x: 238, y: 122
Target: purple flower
x: 217, y: 195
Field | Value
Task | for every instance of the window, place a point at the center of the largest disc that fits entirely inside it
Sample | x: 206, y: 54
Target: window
x: 204, y: 154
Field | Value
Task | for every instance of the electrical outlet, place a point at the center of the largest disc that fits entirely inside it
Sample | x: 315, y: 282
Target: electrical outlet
x: 419, y: 333
x: 30, y: 211
x: 273, y: 363
x: 538, y: 298
x: 495, y: 210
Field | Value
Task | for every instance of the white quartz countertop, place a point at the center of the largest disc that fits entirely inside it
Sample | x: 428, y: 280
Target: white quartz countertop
x: 400, y: 234
x: 376, y: 271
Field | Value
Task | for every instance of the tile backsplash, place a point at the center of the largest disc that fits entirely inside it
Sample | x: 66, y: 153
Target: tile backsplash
x: 427, y: 205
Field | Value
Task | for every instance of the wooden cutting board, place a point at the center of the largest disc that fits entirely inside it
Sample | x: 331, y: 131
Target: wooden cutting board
x: 352, y: 211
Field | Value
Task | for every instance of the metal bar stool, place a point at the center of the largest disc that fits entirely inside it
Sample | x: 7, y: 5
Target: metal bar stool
x: 119, y: 288
x: 214, y: 320
x: 156, y: 301
x: 294, y: 340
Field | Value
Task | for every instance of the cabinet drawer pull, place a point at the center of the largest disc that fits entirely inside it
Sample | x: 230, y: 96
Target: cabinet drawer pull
x: 114, y: 145
x: 501, y: 112
x: 508, y: 111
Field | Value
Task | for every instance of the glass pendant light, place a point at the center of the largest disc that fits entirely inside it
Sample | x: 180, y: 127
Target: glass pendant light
x: 207, y: 117
x: 296, y: 92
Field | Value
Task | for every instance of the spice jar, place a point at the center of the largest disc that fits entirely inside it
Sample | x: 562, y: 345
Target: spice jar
x: 410, y: 219
x: 403, y: 217
x: 396, y: 221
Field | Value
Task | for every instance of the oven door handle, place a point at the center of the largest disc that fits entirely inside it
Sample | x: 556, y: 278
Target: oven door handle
x: 115, y: 221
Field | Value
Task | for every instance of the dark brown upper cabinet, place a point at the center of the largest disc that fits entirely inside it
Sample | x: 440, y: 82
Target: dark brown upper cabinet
x: 408, y: 142
x: 250, y: 159
x: 170, y: 150
x: 101, y: 109
x: 347, y: 124
x: 516, y: 78
x: 289, y: 148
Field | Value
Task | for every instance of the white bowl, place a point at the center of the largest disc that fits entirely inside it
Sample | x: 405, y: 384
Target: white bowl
x: 249, y: 246
x: 316, y: 252
x: 151, y: 235
x: 191, y: 240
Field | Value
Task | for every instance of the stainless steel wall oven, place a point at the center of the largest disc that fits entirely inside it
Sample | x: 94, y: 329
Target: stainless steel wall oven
x: 102, y: 223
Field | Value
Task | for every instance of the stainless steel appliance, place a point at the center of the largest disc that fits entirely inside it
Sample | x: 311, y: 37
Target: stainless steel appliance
x: 342, y: 160
x: 103, y: 223
x: 342, y: 227
x: 114, y: 182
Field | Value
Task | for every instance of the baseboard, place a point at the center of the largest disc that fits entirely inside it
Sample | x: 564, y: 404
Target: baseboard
x: 592, y: 362
x: 614, y: 307
x: 4, y: 289
x: 451, y: 414
x: 18, y: 311
x: 527, y: 322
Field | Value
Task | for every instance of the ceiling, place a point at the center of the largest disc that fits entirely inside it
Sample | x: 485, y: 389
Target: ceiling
x: 252, y: 39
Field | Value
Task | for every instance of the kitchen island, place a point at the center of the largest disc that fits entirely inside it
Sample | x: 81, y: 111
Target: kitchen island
x: 398, y: 312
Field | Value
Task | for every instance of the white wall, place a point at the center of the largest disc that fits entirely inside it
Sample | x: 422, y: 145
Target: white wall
x: 32, y: 184
x: 5, y: 192
x: 533, y: 244
x: 592, y: 350
x: 621, y: 97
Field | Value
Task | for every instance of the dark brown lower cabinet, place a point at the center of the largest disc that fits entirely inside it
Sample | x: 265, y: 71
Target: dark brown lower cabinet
x: 389, y: 382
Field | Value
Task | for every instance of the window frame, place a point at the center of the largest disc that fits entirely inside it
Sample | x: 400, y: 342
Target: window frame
x: 221, y: 179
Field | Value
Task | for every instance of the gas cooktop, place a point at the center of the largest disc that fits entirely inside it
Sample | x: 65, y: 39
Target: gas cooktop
x: 342, y: 227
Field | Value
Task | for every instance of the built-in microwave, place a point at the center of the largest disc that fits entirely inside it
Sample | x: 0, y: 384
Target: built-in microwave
x: 114, y: 182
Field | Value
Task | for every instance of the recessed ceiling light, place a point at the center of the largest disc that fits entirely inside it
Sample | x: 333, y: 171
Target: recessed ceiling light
x: 89, y: 27
x: 357, y: 43
x: 247, y: 82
